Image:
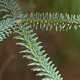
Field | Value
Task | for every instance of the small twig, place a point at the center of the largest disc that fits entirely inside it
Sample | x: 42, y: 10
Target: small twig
x: 5, y: 64
x: 19, y: 21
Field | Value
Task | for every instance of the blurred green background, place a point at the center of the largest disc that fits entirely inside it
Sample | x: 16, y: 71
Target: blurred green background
x: 63, y: 47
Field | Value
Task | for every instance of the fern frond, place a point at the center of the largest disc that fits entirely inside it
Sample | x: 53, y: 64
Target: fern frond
x: 53, y: 20
x: 5, y: 28
x: 33, y: 50
x: 11, y: 8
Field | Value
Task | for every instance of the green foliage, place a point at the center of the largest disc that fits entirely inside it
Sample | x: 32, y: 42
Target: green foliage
x: 12, y: 12
x: 54, y: 20
x: 5, y: 27
x: 11, y: 8
x: 44, y: 66
x: 14, y: 19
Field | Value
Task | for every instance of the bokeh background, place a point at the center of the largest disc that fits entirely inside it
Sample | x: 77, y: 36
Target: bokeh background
x: 63, y: 47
